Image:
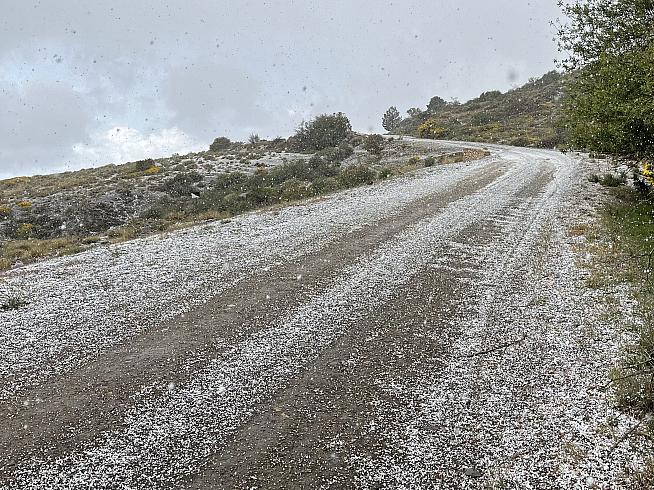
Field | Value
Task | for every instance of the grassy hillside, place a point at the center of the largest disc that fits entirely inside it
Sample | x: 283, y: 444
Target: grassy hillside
x: 525, y: 116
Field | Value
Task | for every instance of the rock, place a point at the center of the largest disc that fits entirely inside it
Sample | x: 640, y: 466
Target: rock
x: 473, y: 472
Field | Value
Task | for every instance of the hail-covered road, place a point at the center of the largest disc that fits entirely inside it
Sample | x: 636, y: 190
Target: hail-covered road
x: 432, y: 331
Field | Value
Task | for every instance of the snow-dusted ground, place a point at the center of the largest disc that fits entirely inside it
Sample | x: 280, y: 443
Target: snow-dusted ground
x: 478, y: 415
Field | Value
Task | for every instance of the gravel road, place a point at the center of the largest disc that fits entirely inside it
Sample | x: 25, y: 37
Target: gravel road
x: 432, y: 331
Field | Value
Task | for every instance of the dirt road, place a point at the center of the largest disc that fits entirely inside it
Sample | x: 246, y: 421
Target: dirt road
x: 433, y: 331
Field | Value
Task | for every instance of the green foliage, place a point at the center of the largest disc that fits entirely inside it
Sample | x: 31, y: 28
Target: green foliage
x: 143, y: 165
x: 629, y: 221
x: 608, y: 179
x: 374, y: 144
x: 219, y: 144
x: 182, y: 185
x: 357, y: 175
x: 430, y: 161
x: 601, y: 28
x: 436, y: 104
x: 391, y: 119
x: 609, y: 106
x: 323, y: 132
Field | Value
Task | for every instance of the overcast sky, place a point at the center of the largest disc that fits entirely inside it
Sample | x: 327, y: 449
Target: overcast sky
x: 84, y: 83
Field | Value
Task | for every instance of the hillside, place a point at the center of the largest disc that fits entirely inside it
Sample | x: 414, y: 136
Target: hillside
x: 60, y: 214
x: 525, y: 116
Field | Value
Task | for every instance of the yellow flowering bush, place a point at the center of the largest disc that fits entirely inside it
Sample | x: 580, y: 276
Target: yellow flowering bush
x: 648, y: 173
x: 25, y: 230
x: 431, y: 129
x: 25, y: 204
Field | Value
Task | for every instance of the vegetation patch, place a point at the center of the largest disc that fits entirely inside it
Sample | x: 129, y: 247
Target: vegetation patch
x: 26, y: 251
x: 13, y: 302
x: 622, y: 247
x: 525, y: 116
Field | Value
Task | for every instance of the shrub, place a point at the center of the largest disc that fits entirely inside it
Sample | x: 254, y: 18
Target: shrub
x: 608, y: 179
x: 220, y: 143
x: 356, y: 175
x: 385, y: 173
x: 143, y: 165
x: 324, y: 131
x: 153, y: 170
x: 520, y: 141
x: 323, y: 185
x: 24, y: 231
x: 293, y: 190
x: 25, y: 204
x: 414, y: 160
x: 182, y: 184
x: 436, y: 104
x: 432, y: 129
x: 12, y: 302
x: 374, y: 144
x: 430, y: 161
x: 336, y: 154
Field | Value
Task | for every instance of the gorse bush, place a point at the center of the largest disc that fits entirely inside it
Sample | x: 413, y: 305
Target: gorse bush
x: 143, y: 165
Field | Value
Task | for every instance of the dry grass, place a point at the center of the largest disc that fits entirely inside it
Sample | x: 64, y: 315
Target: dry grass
x: 464, y: 156
x: 27, y: 251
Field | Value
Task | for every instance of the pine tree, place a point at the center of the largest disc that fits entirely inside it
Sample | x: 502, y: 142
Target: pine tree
x: 391, y: 119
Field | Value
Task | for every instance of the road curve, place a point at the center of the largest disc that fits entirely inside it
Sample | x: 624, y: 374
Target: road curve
x: 432, y: 331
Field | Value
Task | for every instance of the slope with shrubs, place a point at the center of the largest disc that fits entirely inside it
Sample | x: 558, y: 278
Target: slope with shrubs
x: 64, y: 213
x: 525, y: 116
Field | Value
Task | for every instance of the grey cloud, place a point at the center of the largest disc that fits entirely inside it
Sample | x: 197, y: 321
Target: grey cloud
x: 207, y: 99
x: 216, y: 66
x: 39, y: 123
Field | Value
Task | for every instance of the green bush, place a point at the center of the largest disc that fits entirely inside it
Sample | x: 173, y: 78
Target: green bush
x: 219, y: 144
x: 374, y: 144
x: 143, y: 165
x: 323, y: 132
x: 385, y: 173
x: 608, y: 180
x: 357, y: 175
x: 430, y: 161
x: 182, y: 185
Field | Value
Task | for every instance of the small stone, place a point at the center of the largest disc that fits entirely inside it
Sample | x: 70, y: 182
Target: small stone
x: 473, y: 472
